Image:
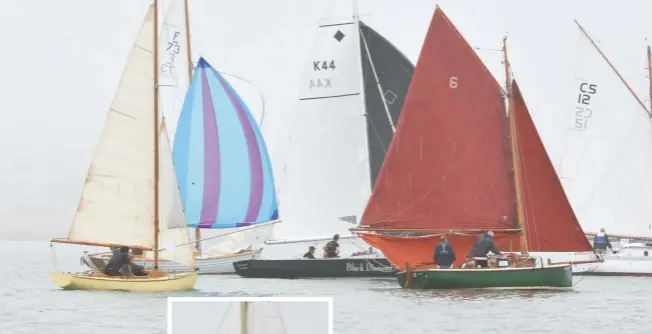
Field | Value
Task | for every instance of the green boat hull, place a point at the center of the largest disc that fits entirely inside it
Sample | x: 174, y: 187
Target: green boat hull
x: 551, y: 277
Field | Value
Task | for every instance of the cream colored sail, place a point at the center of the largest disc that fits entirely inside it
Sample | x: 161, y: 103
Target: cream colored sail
x: 117, y: 201
x: 174, y: 236
x: 606, y: 168
x: 252, y: 318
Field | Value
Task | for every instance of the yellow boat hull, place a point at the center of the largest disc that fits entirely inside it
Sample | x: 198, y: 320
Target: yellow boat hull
x: 166, y: 282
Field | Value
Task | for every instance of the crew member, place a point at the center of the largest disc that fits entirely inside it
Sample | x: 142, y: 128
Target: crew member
x: 332, y: 248
x: 120, y: 263
x: 310, y: 254
x: 444, y: 254
x: 483, y: 244
x: 601, y: 242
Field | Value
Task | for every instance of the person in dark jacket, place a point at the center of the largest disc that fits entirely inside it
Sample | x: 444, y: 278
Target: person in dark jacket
x: 310, y: 254
x: 120, y: 263
x: 444, y: 254
x: 483, y: 244
x: 332, y: 248
x: 601, y: 242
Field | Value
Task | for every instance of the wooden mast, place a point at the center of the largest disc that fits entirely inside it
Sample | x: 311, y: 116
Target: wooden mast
x: 244, y: 315
x: 156, y: 139
x: 514, y: 146
x: 186, y: 11
x: 649, y: 72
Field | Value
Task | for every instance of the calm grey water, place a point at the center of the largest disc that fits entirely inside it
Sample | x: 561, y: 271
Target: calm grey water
x: 29, y: 303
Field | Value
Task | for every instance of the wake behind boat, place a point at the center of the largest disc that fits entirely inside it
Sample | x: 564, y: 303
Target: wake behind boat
x: 130, y: 197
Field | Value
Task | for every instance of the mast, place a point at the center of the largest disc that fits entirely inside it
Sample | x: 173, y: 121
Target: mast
x: 514, y: 145
x: 649, y: 112
x: 244, y: 315
x: 156, y: 139
x: 186, y: 11
x: 649, y: 72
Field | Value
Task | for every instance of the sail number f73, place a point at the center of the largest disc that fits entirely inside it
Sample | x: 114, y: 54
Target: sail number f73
x: 583, y: 111
x: 321, y: 66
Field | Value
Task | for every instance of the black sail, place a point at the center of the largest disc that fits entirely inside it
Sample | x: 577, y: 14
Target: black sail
x: 394, y: 72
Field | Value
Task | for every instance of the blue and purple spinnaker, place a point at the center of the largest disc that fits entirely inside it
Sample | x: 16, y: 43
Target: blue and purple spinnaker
x: 221, y: 160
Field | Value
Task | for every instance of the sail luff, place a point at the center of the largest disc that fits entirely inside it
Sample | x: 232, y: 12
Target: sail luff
x: 156, y: 137
x: 649, y: 72
x: 649, y: 112
x: 514, y: 150
x: 380, y: 88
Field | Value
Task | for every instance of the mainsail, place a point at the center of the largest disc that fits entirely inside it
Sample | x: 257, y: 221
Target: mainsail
x: 221, y: 159
x: 117, y: 204
x: 341, y: 128
x: 606, y: 167
x: 449, y: 167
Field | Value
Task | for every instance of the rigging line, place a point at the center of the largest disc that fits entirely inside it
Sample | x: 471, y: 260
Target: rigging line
x: 254, y: 227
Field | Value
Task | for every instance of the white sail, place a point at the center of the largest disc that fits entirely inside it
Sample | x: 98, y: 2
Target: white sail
x: 173, y: 233
x: 258, y: 317
x: 606, y: 168
x: 327, y: 167
x: 117, y: 201
x: 173, y: 62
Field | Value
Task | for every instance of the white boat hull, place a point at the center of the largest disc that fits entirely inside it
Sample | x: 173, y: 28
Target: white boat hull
x: 630, y: 260
x: 206, y: 265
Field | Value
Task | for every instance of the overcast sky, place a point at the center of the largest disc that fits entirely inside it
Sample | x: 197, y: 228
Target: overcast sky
x: 206, y: 317
x: 61, y: 61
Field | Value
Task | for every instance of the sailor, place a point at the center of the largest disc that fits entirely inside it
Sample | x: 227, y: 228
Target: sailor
x: 444, y: 254
x: 601, y: 242
x: 120, y: 263
x: 483, y: 244
x: 310, y: 254
x: 332, y: 248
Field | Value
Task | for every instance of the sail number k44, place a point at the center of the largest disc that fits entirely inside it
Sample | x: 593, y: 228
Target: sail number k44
x: 323, y: 65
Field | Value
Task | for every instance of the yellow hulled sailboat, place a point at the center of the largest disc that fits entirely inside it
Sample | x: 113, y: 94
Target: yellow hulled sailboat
x: 131, y: 197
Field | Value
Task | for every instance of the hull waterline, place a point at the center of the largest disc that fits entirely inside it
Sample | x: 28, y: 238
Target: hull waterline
x: 205, y: 266
x: 550, y: 277
x: 94, y: 282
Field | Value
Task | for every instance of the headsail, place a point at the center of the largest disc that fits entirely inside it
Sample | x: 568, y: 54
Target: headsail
x: 606, y: 165
x: 117, y: 201
x: 385, y: 66
x: 221, y: 159
x: 550, y: 223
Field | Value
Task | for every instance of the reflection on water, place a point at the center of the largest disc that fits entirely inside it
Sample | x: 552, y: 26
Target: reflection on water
x: 31, y: 304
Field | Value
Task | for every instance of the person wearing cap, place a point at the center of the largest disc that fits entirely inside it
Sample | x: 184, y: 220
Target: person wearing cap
x: 444, y: 254
x: 601, y: 242
x: 332, y: 248
x: 310, y: 254
x: 483, y: 244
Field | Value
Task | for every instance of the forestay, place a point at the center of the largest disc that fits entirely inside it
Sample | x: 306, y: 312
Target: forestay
x: 606, y: 167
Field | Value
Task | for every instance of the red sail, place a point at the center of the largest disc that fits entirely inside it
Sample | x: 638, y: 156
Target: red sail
x: 449, y: 164
x: 551, y: 225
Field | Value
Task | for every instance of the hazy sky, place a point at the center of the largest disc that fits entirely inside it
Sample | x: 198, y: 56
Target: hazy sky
x: 206, y: 317
x: 61, y: 61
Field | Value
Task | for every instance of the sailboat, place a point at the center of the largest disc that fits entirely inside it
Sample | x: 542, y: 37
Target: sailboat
x: 351, y: 94
x: 130, y: 197
x: 606, y: 166
x: 248, y: 317
x: 459, y: 166
x: 207, y: 169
